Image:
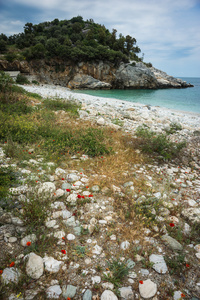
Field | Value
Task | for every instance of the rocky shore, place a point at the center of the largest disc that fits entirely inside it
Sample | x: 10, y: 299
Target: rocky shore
x: 95, y: 241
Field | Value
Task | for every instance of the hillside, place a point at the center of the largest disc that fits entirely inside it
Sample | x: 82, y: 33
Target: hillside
x: 75, y: 40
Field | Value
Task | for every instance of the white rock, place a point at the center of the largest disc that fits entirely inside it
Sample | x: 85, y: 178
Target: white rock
x: 58, y: 204
x: 71, y: 237
x: 108, y: 295
x: 108, y: 285
x: 159, y: 263
x: 47, y: 188
x: 66, y: 214
x: 59, y: 193
x: 60, y: 172
x: 126, y: 292
x: 10, y: 275
x: 198, y: 255
x: 177, y: 295
x: 100, y: 121
x: 72, y: 177
x: 157, y: 195
x: 12, y: 239
x: 97, y: 250
x: 29, y: 238
x: 132, y: 275
x: 51, y: 264
x: 148, y: 289
x: 125, y: 245
x: 34, y: 266
x: 59, y: 234
x: 113, y: 237
x: 197, y: 248
x: 53, y: 292
x: 192, y: 202
x: 17, y: 221
x: 96, y: 279
x: 50, y: 224
x: 72, y: 199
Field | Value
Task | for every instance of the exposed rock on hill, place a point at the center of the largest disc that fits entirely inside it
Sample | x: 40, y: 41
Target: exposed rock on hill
x: 95, y: 75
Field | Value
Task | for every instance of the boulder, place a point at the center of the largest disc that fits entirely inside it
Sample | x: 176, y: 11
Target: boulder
x: 34, y: 266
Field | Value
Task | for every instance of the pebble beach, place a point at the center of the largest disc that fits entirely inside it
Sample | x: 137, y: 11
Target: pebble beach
x: 97, y: 228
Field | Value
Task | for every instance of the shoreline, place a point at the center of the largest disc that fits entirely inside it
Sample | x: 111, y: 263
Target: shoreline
x: 155, y: 114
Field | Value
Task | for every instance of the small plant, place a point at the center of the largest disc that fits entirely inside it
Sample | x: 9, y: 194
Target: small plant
x: 21, y: 79
x: 8, y: 179
x: 117, y: 122
x: 35, y: 82
x: 61, y: 105
x: 174, y: 127
x: 118, y: 270
x: 80, y: 251
x: 176, y: 263
x: 159, y: 144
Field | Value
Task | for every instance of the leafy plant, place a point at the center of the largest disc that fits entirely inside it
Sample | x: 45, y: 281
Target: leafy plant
x: 21, y: 79
x: 174, y: 127
x: 176, y: 263
x: 118, y: 270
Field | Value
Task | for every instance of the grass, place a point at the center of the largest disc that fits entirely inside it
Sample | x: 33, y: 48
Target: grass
x: 118, y: 271
x: 158, y: 144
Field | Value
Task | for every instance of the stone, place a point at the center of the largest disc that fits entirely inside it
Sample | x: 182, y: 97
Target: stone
x: 130, y: 263
x: 17, y: 221
x: 52, y: 265
x: 96, y: 279
x: 95, y: 188
x: 60, y: 172
x: 72, y: 177
x: 66, y: 185
x: 50, y: 224
x: 59, y: 234
x: 108, y: 285
x: 159, y: 264
x: 144, y: 272
x: 172, y: 243
x: 29, y: 238
x: 125, y: 245
x: 47, y: 187
x: 72, y: 199
x: 177, y: 295
x: 108, y: 295
x: 97, y: 250
x: 69, y: 291
x: 10, y: 275
x: 197, y: 248
x: 100, y: 121
x: 128, y: 184
x: 87, y: 295
x: 148, y: 289
x: 192, y: 214
x: 77, y: 230
x: 71, y: 237
x: 34, y: 266
x: 70, y: 222
x: 59, y: 193
x: 54, y: 292
x: 126, y: 292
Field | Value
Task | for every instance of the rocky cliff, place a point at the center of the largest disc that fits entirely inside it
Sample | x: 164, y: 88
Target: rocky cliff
x: 95, y: 75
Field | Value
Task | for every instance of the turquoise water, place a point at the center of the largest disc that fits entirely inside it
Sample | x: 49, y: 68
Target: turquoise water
x: 187, y: 99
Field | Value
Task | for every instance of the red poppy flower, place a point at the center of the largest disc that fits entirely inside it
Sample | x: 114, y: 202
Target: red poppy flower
x: 12, y: 264
x: 171, y: 224
x: 187, y: 265
x: 87, y: 187
x: 5, y: 142
x: 182, y: 295
x: 68, y: 298
x: 90, y: 195
x: 1, y: 271
x: 63, y: 238
x: 29, y: 153
x: 63, y: 251
x: 28, y: 243
x: 53, y: 140
x: 81, y: 173
x: 68, y: 190
x: 83, y: 197
x: 173, y: 199
x: 79, y: 196
x: 63, y: 178
x: 141, y: 281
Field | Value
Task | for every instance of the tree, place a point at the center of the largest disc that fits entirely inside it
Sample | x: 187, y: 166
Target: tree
x: 28, y: 28
x: 3, y: 46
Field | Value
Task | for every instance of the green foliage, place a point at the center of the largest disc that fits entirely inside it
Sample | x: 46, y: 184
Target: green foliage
x: 158, y: 144
x: 11, y: 56
x: 7, y: 179
x: 176, y: 264
x: 174, y: 127
x: 5, y: 82
x: 118, y: 270
x: 21, y: 79
x: 74, y: 39
x: 55, y: 105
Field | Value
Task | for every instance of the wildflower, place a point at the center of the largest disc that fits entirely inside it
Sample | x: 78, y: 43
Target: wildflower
x: 182, y: 295
x: 12, y: 264
x: 63, y: 178
x: 141, y: 281
x: 79, y: 196
x: 83, y: 197
x: 1, y: 271
x: 81, y: 173
x: 87, y: 187
x: 28, y: 243
x: 173, y: 199
x: 90, y: 195
x: 68, y: 190
x: 63, y: 251
x: 187, y: 265
x: 68, y: 298
x: 63, y: 238
x: 53, y: 140
x: 5, y: 142
x: 29, y: 153
x: 171, y: 224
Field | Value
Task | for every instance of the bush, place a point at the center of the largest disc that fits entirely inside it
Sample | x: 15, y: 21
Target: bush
x: 5, y: 82
x: 11, y: 56
x: 21, y: 79
x: 159, y: 144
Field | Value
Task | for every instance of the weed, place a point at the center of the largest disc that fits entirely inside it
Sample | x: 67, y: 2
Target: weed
x: 8, y: 179
x: 117, y: 122
x: 21, y: 79
x: 80, y: 251
x: 118, y: 271
x: 176, y: 263
x: 159, y: 144
x: 61, y: 105
x: 174, y: 127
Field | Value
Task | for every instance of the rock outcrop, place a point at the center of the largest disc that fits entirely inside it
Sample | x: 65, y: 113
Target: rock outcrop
x: 95, y: 75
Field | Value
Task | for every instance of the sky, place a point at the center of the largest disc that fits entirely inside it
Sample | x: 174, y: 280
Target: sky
x: 167, y: 31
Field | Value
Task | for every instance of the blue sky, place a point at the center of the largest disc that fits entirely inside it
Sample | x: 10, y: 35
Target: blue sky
x: 167, y: 31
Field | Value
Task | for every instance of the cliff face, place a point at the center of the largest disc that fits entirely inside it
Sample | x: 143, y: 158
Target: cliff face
x: 95, y: 75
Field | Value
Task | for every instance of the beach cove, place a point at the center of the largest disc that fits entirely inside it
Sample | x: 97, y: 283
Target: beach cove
x: 101, y: 248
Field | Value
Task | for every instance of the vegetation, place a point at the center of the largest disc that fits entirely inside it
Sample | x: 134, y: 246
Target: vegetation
x: 74, y: 39
x: 117, y: 271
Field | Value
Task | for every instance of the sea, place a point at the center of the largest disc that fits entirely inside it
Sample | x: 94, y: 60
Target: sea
x: 186, y: 99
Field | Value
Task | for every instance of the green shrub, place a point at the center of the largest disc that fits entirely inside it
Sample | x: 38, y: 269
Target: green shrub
x: 118, y: 271
x: 7, y: 179
x: 21, y: 79
x: 61, y: 105
x: 159, y: 144
x: 174, y: 127
x: 5, y: 82
x: 11, y: 56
